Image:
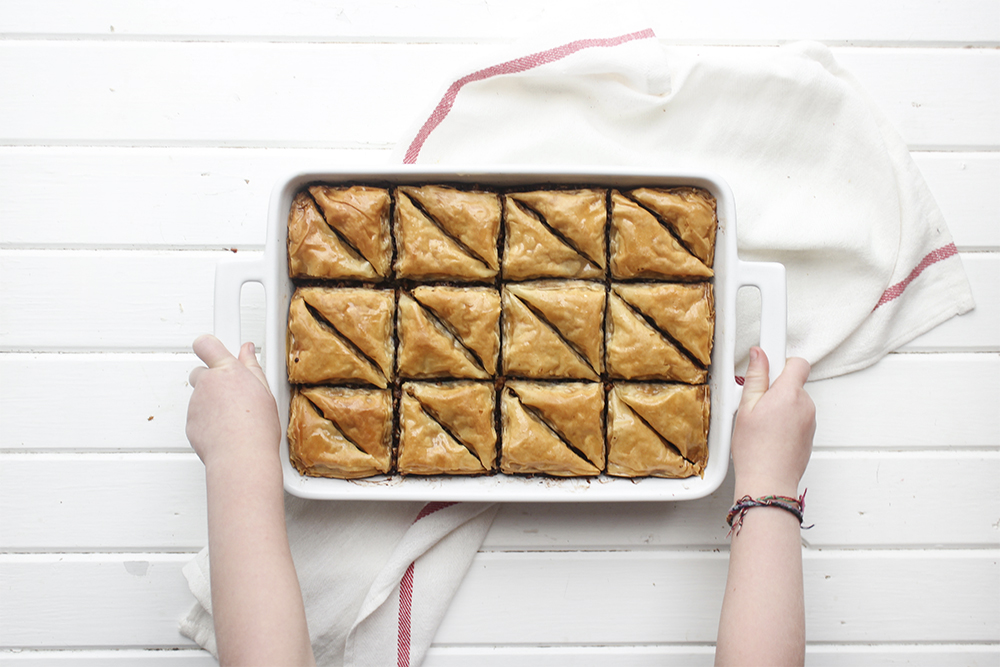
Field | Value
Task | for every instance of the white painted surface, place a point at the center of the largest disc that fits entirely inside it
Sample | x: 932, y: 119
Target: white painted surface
x: 139, y: 147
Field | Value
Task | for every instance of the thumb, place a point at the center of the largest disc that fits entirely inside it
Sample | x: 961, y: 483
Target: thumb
x: 756, y: 381
x: 248, y: 358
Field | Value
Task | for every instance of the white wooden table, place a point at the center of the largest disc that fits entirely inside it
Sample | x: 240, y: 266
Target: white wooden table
x: 139, y: 145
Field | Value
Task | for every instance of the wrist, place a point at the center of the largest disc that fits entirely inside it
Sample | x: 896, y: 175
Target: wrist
x: 766, y: 485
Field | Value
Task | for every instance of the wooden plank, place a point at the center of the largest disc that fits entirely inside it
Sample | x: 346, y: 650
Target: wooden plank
x: 817, y: 655
x: 714, y: 21
x: 166, y: 301
x: 293, y: 95
x: 135, y: 600
x: 886, y: 406
x: 897, y: 500
x: 222, y: 194
x: 74, y: 658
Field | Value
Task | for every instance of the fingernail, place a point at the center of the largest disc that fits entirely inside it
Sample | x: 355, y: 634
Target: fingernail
x: 253, y: 350
x: 754, y: 353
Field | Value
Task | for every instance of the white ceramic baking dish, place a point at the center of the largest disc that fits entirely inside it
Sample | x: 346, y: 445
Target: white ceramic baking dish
x: 730, y: 275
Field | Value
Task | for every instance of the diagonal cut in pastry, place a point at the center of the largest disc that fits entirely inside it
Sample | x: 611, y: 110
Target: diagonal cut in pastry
x: 534, y: 250
x: 657, y: 430
x: 315, y: 250
x: 473, y: 218
x: 637, y: 351
x: 340, y: 334
x: 359, y: 215
x: 340, y: 432
x: 685, y: 312
x: 690, y: 212
x: 553, y: 329
x: 577, y: 217
x: 471, y: 314
x: 447, y: 429
x: 642, y: 247
x: 427, y: 248
x: 541, y: 435
x: 572, y: 410
x: 427, y: 349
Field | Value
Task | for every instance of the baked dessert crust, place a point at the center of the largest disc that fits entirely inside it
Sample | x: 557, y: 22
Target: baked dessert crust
x: 471, y: 314
x: 552, y: 329
x: 686, y: 312
x: 554, y: 430
x: 637, y: 351
x: 360, y: 214
x: 427, y: 349
x: 690, y: 212
x: 340, y: 432
x: 641, y: 247
x: 351, y: 342
x: 471, y: 217
x: 447, y: 429
x: 315, y: 250
x: 429, y: 249
x: 579, y: 216
x: 532, y: 250
x: 657, y: 430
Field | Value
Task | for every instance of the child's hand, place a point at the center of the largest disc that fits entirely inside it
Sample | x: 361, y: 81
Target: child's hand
x: 772, y: 439
x: 232, y: 414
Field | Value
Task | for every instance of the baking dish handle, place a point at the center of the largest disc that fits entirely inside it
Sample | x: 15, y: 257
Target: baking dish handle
x: 230, y: 276
x: 769, y: 278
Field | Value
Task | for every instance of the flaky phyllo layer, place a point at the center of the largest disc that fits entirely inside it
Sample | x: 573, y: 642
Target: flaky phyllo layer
x: 563, y: 332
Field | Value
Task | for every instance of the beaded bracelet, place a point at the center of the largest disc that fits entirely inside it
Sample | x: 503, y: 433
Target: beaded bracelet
x: 739, y: 510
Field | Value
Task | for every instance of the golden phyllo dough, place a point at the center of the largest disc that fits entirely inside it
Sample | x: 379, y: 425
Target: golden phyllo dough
x: 340, y: 432
x: 447, y: 428
x: 658, y: 430
x: 555, y: 234
x: 552, y: 329
x: 347, y: 236
x: 444, y: 233
x: 340, y: 335
x: 639, y: 350
x: 682, y: 312
x: 644, y: 247
x: 553, y: 428
x: 689, y: 212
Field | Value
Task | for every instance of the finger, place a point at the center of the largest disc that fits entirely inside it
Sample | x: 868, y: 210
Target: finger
x: 193, y: 377
x: 211, y: 350
x: 795, y: 373
x: 755, y: 382
x: 248, y: 358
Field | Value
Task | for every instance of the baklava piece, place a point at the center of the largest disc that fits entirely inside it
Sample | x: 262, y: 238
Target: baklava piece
x: 552, y: 329
x: 639, y: 349
x: 553, y: 428
x: 340, y: 233
x: 683, y: 312
x: 340, y: 432
x: 657, y: 430
x: 644, y: 247
x: 447, y: 429
x: 689, y: 212
x: 448, y: 332
x: 446, y: 234
x: 555, y: 234
x: 341, y: 335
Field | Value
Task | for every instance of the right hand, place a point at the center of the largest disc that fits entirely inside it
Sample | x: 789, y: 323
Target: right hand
x: 772, y: 439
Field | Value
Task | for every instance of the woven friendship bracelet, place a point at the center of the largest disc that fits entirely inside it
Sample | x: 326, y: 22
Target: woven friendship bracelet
x: 744, y: 504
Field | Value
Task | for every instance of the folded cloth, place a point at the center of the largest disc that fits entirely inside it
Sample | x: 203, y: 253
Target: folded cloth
x: 822, y: 182
x: 376, y: 577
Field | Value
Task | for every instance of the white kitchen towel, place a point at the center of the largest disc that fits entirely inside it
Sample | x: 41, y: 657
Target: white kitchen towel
x: 822, y: 182
x: 376, y: 577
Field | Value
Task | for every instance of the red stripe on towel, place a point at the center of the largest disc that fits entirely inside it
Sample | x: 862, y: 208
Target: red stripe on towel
x: 510, y: 67
x: 405, y: 603
x: 406, y: 596
x: 930, y: 258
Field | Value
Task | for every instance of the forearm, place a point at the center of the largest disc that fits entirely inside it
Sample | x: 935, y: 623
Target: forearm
x: 763, y: 612
x: 256, y: 600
